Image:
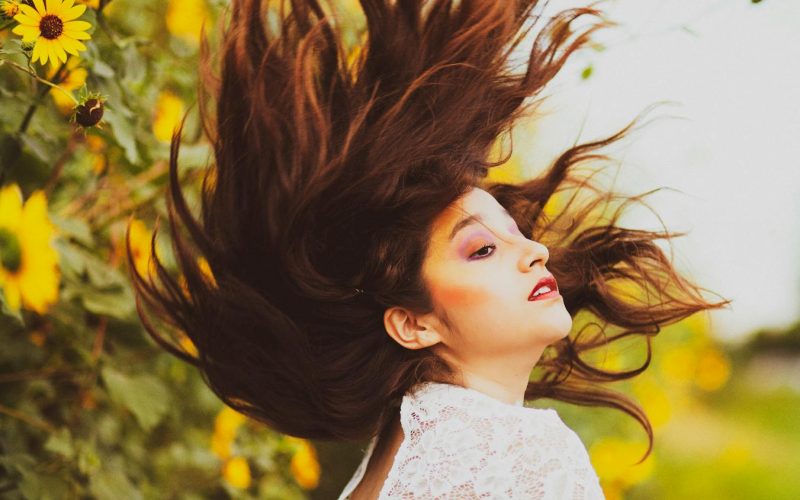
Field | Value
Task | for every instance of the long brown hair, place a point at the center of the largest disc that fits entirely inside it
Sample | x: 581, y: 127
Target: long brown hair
x: 316, y: 214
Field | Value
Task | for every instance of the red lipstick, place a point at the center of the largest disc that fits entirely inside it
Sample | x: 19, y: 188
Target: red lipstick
x: 550, y: 282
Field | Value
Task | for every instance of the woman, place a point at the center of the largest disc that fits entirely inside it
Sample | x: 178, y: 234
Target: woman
x: 367, y: 281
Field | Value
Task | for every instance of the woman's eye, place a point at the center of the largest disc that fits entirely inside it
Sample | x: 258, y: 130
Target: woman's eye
x: 481, y: 255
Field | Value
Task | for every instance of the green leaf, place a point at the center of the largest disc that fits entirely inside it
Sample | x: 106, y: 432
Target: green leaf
x: 6, y: 311
x: 44, y: 150
x: 71, y: 258
x: 144, y: 395
x: 61, y: 442
x: 76, y: 228
x: 112, y: 485
x: 12, y: 46
x: 102, y: 69
x: 42, y: 486
x: 123, y: 133
x: 116, y: 303
x: 135, y: 68
x: 587, y: 72
x: 88, y: 460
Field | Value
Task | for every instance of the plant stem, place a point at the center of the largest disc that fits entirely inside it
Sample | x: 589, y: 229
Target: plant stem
x: 23, y: 127
x: 35, y: 422
x: 37, y: 77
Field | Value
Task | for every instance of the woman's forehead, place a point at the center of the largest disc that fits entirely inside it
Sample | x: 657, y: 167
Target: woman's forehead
x: 476, y: 201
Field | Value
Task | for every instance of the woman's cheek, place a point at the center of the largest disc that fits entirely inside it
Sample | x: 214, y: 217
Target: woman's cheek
x: 462, y: 296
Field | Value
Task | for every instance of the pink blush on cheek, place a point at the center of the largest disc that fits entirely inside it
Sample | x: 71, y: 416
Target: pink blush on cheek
x: 460, y: 296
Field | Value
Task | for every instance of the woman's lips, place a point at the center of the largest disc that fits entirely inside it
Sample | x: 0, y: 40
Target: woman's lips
x: 548, y: 281
x: 545, y: 296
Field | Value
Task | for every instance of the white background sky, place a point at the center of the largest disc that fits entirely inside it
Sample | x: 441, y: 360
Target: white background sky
x: 729, y: 142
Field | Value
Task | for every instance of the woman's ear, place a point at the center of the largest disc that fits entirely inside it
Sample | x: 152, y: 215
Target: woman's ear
x: 410, y: 330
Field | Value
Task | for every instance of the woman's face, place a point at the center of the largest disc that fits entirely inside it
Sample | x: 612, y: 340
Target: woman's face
x: 480, y: 270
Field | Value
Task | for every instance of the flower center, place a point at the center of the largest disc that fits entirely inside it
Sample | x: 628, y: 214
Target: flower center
x: 10, y: 251
x: 51, y: 26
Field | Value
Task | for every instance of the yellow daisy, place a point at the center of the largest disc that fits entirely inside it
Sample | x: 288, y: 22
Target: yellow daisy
x: 140, y: 238
x: 305, y: 464
x: 236, y: 472
x: 184, y: 18
x: 53, y: 29
x: 168, y: 112
x: 29, y: 271
x: 76, y: 76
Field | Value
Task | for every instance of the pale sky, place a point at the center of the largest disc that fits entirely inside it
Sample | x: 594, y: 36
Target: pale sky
x: 729, y: 141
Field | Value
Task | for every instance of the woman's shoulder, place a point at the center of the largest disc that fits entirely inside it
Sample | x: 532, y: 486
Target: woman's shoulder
x: 461, y: 442
x: 448, y: 411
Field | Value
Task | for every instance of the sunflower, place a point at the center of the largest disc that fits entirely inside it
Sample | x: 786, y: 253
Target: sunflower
x: 28, y: 262
x: 53, y: 29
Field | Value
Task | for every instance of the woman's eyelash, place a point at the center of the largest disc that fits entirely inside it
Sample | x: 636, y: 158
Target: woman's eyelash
x: 475, y: 253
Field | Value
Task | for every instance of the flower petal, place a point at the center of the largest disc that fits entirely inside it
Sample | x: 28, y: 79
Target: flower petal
x: 44, y: 52
x: 73, y: 13
x: 37, y: 52
x: 10, y: 206
x: 73, y: 43
x: 54, y: 7
x: 12, y: 295
x: 77, y: 35
x: 27, y: 33
x: 68, y: 45
x: 39, y: 4
x: 58, y: 50
x: 28, y: 20
x: 77, y: 26
x: 30, y: 12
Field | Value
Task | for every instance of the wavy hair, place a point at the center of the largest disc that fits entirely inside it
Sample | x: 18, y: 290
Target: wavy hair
x: 329, y: 171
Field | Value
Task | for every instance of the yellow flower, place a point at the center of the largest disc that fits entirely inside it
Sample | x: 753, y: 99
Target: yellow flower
x: 184, y: 18
x: 29, y: 272
x: 9, y: 8
x: 226, y: 424
x: 96, y: 147
x: 169, y: 109
x: 140, y: 238
x: 75, y: 79
x: 653, y: 399
x: 713, y: 369
x: 95, y: 4
x: 237, y: 472
x: 614, y: 461
x: 205, y: 269
x: 679, y: 364
x: 305, y: 466
x: 53, y: 29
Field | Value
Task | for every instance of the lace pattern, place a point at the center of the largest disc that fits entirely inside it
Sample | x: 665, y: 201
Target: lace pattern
x: 461, y: 443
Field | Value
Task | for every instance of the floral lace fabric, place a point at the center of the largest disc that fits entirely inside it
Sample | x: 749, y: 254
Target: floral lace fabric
x: 461, y: 443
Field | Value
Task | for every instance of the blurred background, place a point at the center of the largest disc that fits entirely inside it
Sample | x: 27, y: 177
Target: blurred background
x: 91, y: 407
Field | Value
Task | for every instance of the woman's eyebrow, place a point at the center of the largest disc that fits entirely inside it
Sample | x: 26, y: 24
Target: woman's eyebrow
x: 469, y: 220
x: 464, y: 223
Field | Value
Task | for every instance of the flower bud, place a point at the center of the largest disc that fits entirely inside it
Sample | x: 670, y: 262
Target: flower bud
x: 89, y: 113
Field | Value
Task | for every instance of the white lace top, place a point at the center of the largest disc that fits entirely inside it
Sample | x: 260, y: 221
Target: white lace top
x: 461, y: 443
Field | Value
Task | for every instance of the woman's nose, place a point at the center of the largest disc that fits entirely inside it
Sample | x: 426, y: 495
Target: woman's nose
x: 534, y: 252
